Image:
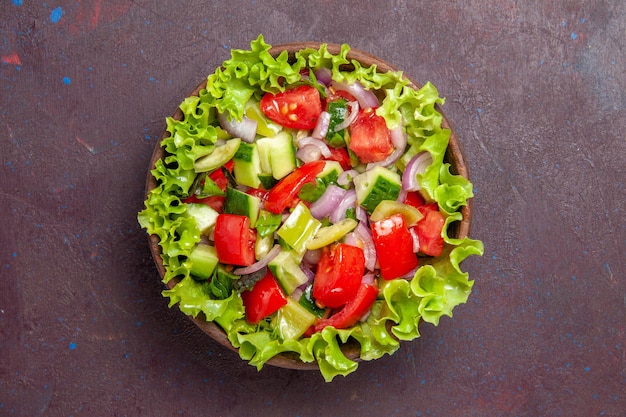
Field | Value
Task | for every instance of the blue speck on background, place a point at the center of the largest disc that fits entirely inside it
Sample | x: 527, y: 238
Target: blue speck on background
x: 67, y: 80
x: 56, y: 14
x: 17, y: 2
x: 574, y: 35
x: 72, y: 345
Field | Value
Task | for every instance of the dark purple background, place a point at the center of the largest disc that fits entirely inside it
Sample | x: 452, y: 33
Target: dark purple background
x: 537, y: 93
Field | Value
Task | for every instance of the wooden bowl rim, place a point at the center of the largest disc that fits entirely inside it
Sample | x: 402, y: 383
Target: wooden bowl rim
x: 454, y: 155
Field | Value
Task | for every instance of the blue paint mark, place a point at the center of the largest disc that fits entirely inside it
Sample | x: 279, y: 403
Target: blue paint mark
x: 563, y: 23
x: 574, y: 35
x: 587, y: 369
x: 17, y: 2
x: 15, y: 254
x: 67, y: 80
x: 582, y: 20
x: 56, y: 14
x: 72, y: 346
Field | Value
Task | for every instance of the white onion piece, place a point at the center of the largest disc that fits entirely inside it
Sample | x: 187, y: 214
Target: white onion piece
x: 312, y: 257
x: 416, y: 240
x: 363, y: 233
x: 309, y: 153
x: 398, y: 139
x: 296, y: 294
x: 328, y: 201
x: 417, y: 165
x: 361, y: 214
x: 244, y: 129
x: 347, y: 176
x: 352, y: 240
x: 349, y: 201
x: 368, y: 278
x: 324, y: 76
x: 321, y: 127
x: 365, y: 97
x: 260, y: 264
x: 320, y: 144
x: 354, y: 111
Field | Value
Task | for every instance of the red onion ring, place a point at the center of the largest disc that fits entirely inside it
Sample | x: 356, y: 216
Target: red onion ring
x: 362, y: 232
x: 321, y: 145
x: 346, y: 177
x: 244, y: 129
x: 321, y: 127
x: 324, y: 76
x: 365, y: 97
x: 349, y: 201
x: 328, y: 201
x: 417, y: 165
x: 259, y: 264
x: 354, y: 111
x: 309, y: 153
x: 416, y: 240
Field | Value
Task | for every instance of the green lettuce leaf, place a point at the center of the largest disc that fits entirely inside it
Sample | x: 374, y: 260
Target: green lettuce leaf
x: 402, y: 305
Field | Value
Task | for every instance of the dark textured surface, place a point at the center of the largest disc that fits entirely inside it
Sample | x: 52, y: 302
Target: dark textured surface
x: 537, y: 93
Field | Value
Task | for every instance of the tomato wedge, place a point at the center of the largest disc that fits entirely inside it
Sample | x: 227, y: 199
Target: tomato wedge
x: 353, y: 311
x: 370, y: 140
x: 285, y: 193
x: 394, y: 247
x: 216, y: 202
x: 234, y: 240
x: 296, y: 108
x: 339, y: 274
x: 429, y: 231
x: 265, y: 298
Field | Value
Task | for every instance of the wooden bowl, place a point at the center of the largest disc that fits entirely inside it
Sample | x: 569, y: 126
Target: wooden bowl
x: 454, y: 156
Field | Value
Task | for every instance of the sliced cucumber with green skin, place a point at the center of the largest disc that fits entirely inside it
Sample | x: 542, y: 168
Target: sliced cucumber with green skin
x: 292, y: 320
x: 308, y: 301
x: 204, y: 216
x: 278, y: 154
x: 286, y: 269
x: 203, y: 261
x: 219, y: 156
x: 331, y: 172
x: 247, y: 165
x: 238, y: 202
x: 376, y: 185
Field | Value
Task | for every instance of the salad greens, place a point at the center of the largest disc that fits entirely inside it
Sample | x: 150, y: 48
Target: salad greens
x: 437, y: 286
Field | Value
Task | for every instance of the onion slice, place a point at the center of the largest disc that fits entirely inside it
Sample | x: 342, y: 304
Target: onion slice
x: 244, y: 129
x: 364, y: 234
x: 309, y: 153
x: 417, y: 165
x: 321, y: 127
x: 366, y: 98
x: 328, y: 202
x: 259, y: 264
x: 324, y: 76
x: 320, y: 144
x: 354, y: 111
x: 349, y: 200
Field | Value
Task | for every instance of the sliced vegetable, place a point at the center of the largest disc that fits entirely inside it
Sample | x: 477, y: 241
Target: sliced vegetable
x: 387, y: 208
x: 299, y: 228
x: 376, y: 185
x: 238, y: 202
x: 203, y: 261
x: 234, y: 240
x: 338, y: 275
x: 394, y: 247
x: 285, y: 193
x: 370, y: 138
x: 292, y: 320
x: 263, y: 299
x: 296, y: 108
x: 219, y: 156
x: 353, y: 311
x: 247, y: 165
x: 429, y: 232
x: 331, y: 234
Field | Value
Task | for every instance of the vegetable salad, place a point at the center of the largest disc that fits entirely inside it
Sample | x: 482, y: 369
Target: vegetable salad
x: 304, y: 202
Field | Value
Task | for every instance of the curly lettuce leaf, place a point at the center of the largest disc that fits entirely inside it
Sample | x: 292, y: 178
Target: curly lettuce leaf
x: 432, y: 293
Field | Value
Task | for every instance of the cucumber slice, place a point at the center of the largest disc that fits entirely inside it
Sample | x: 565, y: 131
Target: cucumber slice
x: 204, y: 216
x: 376, y: 185
x: 238, y: 202
x: 285, y: 267
x: 247, y: 165
x: 219, y: 156
x: 330, y: 234
x: 278, y: 154
x: 203, y: 261
x: 265, y: 127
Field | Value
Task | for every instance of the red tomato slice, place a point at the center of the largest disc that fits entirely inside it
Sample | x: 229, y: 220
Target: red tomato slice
x: 415, y: 199
x: 394, y: 247
x: 339, y: 274
x: 296, y: 108
x: 234, y: 240
x: 370, y: 140
x: 265, y: 298
x: 285, y: 193
x: 340, y: 155
x: 429, y: 232
x: 216, y: 202
x: 352, y: 312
